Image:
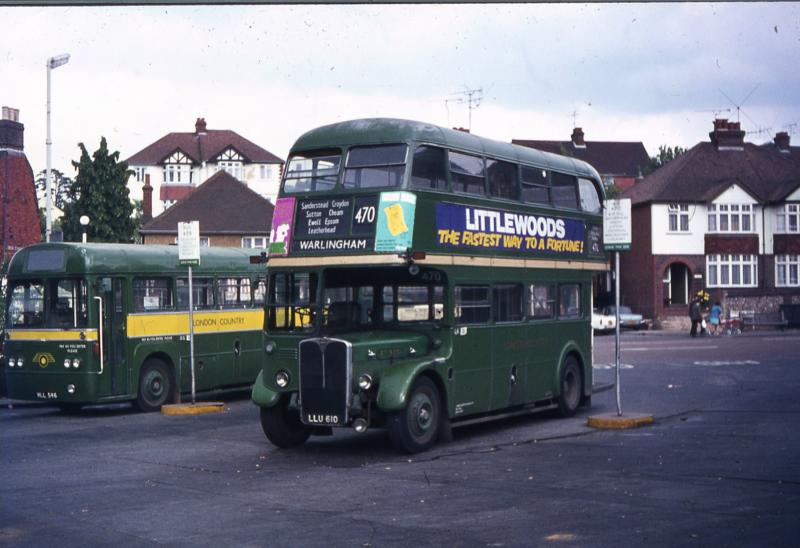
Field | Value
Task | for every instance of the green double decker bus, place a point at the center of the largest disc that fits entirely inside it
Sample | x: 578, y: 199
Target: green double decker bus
x: 100, y: 323
x: 422, y: 278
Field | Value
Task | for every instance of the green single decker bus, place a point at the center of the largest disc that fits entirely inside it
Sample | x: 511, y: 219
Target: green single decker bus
x: 98, y: 323
x: 421, y: 278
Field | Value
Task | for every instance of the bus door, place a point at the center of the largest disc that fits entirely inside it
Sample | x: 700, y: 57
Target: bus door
x: 114, y: 335
x: 472, y: 351
x: 511, y: 346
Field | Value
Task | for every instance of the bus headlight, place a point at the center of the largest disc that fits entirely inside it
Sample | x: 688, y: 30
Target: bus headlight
x: 270, y: 348
x: 76, y: 363
x: 364, y: 382
x: 70, y: 389
x: 19, y: 362
x: 67, y: 363
x: 282, y: 378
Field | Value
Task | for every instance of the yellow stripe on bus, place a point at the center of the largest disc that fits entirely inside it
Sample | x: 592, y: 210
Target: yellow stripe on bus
x: 177, y: 323
x: 52, y: 334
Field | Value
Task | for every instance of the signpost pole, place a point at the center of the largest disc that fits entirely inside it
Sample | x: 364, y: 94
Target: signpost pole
x: 189, y: 255
x: 191, y: 334
x: 616, y: 332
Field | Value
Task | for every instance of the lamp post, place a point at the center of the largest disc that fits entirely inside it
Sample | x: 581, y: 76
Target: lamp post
x: 52, y: 62
x: 84, y: 220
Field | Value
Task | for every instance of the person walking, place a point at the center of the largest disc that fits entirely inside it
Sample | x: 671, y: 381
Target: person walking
x: 695, y: 314
x: 714, y: 317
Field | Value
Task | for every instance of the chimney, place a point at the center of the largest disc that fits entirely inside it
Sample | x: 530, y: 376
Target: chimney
x: 11, y: 131
x: 727, y: 135
x: 577, y: 138
x: 200, y: 126
x: 782, y: 142
x: 147, y: 200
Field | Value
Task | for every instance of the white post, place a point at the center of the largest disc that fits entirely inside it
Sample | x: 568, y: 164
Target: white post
x: 52, y: 62
x: 49, y: 144
x: 616, y: 335
x: 191, y: 332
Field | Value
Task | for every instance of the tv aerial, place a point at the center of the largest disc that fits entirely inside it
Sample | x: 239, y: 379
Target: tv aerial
x: 741, y: 103
x: 470, y: 97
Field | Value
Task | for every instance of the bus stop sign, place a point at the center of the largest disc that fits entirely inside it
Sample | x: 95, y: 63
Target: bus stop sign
x: 189, y: 243
x: 617, y: 232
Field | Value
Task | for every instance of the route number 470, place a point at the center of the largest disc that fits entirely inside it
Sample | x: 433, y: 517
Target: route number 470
x: 365, y: 215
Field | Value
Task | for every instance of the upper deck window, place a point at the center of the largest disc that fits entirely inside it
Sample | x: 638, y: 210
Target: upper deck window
x: 564, y: 191
x: 428, y: 169
x: 467, y: 173
x: 590, y: 199
x: 375, y: 166
x: 535, y: 186
x: 312, y: 172
x: 502, y: 179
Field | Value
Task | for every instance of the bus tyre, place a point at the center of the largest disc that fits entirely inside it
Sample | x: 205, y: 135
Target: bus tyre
x: 283, y: 426
x: 416, y: 428
x: 571, y: 386
x: 155, y: 386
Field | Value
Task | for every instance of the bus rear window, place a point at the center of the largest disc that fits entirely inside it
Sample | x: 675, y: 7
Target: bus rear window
x: 375, y: 167
x: 312, y: 172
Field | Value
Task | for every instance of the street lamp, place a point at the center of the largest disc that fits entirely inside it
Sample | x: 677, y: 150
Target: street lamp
x: 52, y: 62
x: 84, y: 220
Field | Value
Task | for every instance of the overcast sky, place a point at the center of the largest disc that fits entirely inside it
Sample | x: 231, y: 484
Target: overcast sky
x: 655, y: 73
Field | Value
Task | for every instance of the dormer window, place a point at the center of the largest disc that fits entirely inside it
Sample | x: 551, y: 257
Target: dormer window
x: 232, y: 162
x: 178, y: 168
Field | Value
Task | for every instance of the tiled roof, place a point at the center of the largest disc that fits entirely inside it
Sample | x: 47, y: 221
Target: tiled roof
x: 174, y: 192
x: 202, y: 147
x: 222, y: 204
x: 703, y: 172
x: 623, y: 159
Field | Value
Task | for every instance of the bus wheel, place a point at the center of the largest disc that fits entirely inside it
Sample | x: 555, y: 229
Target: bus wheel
x: 416, y: 428
x: 570, y: 396
x: 155, y: 386
x: 282, y: 426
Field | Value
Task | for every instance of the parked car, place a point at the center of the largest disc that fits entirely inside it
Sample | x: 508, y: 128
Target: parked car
x: 627, y: 317
x: 603, y: 323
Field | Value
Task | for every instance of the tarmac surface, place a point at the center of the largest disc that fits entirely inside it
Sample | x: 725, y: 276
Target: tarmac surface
x: 719, y: 467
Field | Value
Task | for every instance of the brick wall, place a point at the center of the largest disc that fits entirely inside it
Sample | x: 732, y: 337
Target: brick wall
x: 637, y: 279
x: 19, y: 212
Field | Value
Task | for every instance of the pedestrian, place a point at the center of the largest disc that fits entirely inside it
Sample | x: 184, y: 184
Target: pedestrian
x: 695, y: 315
x: 714, y: 317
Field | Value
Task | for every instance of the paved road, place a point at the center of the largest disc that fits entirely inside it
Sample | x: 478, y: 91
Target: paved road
x: 719, y: 467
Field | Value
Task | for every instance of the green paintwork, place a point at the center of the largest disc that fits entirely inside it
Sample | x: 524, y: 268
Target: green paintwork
x: 217, y: 365
x: 262, y: 395
x: 394, y: 383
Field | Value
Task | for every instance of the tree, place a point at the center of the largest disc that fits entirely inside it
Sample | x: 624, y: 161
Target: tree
x: 99, y: 191
x: 665, y: 155
x: 59, y: 186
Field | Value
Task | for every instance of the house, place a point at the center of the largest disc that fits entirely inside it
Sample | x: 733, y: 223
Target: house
x: 618, y: 163
x: 19, y: 213
x: 725, y: 217
x: 178, y: 162
x: 230, y: 214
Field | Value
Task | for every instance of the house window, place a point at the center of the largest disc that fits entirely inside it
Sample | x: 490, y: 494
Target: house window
x: 254, y: 242
x: 265, y: 171
x: 788, y: 219
x: 731, y: 270
x: 233, y: 168
x: 177, y: 173
x: 730, y: 218
x: 786, y: 270
x: 678, y: 217
x: 139, y: 174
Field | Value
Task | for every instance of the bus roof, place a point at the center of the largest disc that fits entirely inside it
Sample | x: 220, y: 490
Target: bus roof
x: 375, y: 131
x: 95, y: 258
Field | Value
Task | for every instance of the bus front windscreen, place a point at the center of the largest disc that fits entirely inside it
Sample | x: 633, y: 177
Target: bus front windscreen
x: 54, y: 303
x: 312, y: 172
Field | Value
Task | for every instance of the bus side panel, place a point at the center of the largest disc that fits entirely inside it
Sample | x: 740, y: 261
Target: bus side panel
x: 512, y: 356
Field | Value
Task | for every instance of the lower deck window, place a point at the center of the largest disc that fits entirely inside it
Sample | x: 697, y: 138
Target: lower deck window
x: 291, y: 306
x: 152, y: 294
x: 569, y: 301
x: 472, y: 304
